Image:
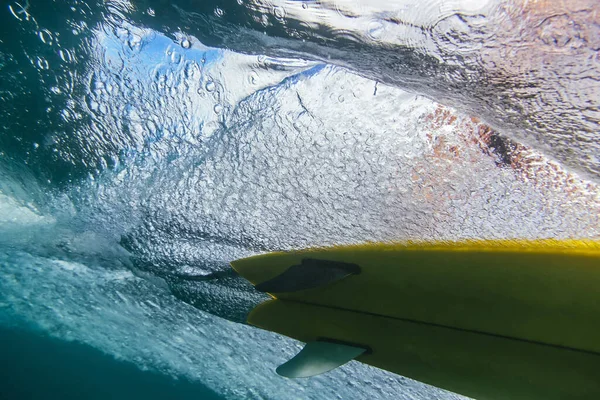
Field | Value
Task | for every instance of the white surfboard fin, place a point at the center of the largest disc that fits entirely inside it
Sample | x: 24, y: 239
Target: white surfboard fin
x: 309, y: 274
x: 319, y: 357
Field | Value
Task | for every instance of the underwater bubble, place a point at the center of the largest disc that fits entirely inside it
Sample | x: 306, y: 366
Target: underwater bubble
x: 150, y: 12
x: 42, y: 63
x: 19, y: 11
x: 219, y: 12
x: 45, y: 36
x: 218, y: 108
x: 279, y: 13
x: 264, y: 21
x: 375, y: 30
x: 65, y: 55
x: 210, y: 86
x: 186, y: 44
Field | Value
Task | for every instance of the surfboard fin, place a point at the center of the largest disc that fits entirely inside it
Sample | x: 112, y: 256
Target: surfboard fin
x: 319, y: 357
x: 309, y: 274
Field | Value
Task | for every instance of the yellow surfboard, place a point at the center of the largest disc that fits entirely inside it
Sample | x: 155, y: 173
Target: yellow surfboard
x: 488, y: 319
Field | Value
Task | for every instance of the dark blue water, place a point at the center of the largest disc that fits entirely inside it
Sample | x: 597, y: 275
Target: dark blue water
x: 35, y: 366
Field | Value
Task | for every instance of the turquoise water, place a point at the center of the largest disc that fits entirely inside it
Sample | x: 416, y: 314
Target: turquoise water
x: 145, y: 144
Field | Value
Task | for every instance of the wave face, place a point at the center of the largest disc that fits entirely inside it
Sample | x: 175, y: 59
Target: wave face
x: 146, y: 144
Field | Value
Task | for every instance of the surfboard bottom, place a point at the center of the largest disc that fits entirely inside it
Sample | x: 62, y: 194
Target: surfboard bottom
x: 482, y: 366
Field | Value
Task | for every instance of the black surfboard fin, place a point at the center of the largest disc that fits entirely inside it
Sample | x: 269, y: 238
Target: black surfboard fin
x: 309, y: 274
